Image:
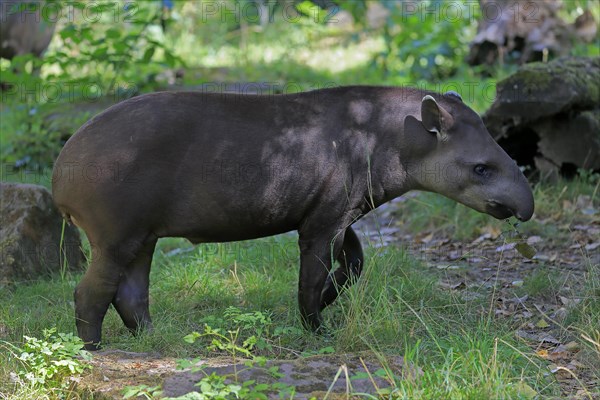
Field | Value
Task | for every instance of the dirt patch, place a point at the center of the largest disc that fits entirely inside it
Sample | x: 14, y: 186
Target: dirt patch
x: 310, y: 376
x: 113, y: 370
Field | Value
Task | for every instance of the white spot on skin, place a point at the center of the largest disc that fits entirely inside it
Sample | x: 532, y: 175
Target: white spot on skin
x: 361, y: 111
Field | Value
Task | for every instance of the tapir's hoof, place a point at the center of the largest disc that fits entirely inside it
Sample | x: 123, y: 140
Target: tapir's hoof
x: 142, y: 327
x: 317, y: 327
x: 89, y: 346
x: 324, y: 332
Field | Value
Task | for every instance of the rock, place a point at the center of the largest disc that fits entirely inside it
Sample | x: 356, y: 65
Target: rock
x: 547, y: 115
x: 30, y: 234
x: 540, y: 90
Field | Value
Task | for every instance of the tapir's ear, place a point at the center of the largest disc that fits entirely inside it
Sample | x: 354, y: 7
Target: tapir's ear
x: 454, y: 94
x: 435, y: 118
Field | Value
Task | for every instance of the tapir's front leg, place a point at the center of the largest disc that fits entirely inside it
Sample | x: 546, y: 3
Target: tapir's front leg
x: 351, y: 262
x: 316, y: 255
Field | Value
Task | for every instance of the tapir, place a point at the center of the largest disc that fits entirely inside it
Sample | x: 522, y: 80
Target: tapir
x: 214, y: 167
x: 25, y: 28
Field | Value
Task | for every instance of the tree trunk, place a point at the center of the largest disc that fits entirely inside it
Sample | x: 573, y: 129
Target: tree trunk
x: 526, y: 30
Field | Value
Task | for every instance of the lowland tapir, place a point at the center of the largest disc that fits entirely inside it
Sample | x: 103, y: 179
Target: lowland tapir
x: 25, y: 27
x: 227, y: 167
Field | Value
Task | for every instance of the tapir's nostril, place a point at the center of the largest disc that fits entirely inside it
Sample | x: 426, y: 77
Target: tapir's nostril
x: 524, y: 215
x: 519, y: 216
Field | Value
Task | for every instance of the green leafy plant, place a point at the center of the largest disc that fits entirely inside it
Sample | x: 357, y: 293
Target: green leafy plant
x: 514, y: 236
x: 50, y: 361
x: 29, y: 138
x: 425, y: 45
x: 110, y: 52
x: 224, y: 387
x: 255, y: 328
x: 103, y: 47
x: 216, y: 387
x: 257, y: 322
x: 145, y: 391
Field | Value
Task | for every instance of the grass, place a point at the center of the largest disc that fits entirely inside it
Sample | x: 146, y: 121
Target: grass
x: 396, y: 308
x: 543, y: 282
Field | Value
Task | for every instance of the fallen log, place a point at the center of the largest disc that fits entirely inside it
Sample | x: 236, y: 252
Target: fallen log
x: 547, y: 115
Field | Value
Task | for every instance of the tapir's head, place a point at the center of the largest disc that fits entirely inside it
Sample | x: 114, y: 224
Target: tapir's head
x: 450, y: 152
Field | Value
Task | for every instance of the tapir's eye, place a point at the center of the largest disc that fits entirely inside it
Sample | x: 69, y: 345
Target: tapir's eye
x: 481, y: 169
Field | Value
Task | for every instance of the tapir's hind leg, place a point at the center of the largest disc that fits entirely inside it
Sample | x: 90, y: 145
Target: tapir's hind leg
x: 351, y: 261
x: 95, y: 291
x: 131, y: 298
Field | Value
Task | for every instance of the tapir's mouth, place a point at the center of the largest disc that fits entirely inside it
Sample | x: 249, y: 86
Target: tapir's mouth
x: 499, y: 210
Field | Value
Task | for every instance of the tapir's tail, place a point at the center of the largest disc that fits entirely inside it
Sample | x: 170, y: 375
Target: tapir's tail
x: 67, y: 216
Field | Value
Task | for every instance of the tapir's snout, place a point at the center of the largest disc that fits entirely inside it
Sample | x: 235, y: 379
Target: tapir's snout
x: 514, y: 199
x: 498, y: 210
x: 526, y: 212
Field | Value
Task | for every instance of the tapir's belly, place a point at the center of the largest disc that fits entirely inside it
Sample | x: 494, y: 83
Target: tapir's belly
x: 221, y: 219
x: 231, y: 210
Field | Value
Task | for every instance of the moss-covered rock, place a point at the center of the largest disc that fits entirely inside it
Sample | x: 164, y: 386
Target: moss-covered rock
x: 550, y: 113
x: 539, y: 90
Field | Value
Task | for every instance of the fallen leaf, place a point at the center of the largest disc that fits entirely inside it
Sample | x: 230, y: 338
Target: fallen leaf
x: 447, y: 267
x: 583, y: 201
x: 572, y: 346
x: 569, y: 302
x: 542, y: 323
x: 507, y: 246
x: 592, y: 246
x: 525, y: 391
x: 426, y: 239
x: 458, y: 286
x: 526, y: 250
x: 494, y: 231
x: 542, y: 353
x: 559, y: 353
x: 574, y: 364
x: 517, y: 283
x: 549, y: 339
x: 534, y: 239
x: 581, y: 227
x: 562, y: 373
x: 481, y: 238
